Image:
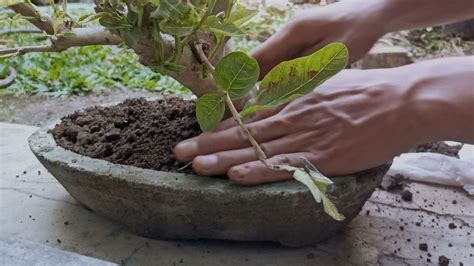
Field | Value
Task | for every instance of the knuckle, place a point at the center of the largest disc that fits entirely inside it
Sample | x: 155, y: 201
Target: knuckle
x: 285, y: 159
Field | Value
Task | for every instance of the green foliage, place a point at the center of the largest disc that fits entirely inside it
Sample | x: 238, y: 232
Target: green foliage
x: 210, y: 110
x: 300, y: 76
x: 236, y: 74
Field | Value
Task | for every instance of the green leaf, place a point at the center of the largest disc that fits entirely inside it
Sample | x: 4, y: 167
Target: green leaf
x: 210, y: 111
x: 175, y: 28
x: 91, y: 17
x: 331, y: 209
x: 213, y: 23
x: 241, y: 16
x: 302, y: 75
x: 255, y: 107
x: 173, y: 9
x: 252, y: 109
x: 236, y: 73
x: 303, y: 177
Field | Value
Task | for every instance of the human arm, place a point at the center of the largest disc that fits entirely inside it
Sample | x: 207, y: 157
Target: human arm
x: 355, y: 121
x: 357, y: 24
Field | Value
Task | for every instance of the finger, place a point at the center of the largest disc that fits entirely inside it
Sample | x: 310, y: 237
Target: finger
x: 280, y: 47
x: 231, y: 138
x: 228, y: 123
x: 256, y: 172
x: 219, y: 163
x: 260, y: 115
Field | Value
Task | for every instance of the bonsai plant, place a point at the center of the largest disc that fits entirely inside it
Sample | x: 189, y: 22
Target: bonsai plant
x: 189, y: 41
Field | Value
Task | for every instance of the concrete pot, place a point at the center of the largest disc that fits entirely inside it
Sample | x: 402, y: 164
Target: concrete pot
x: 166, y: 205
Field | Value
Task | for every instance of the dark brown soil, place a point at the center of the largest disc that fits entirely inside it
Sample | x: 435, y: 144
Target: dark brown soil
x: 439, y: 147
x: 136, y: 132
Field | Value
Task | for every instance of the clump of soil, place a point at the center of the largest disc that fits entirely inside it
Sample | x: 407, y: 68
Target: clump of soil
x: 136, y: 132
x: 439, y: 147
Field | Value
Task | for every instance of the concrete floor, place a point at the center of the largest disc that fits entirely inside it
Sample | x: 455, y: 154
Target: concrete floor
x: 388, y: 231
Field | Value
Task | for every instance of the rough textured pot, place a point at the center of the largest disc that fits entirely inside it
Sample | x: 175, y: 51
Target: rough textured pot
x: 167, y: 205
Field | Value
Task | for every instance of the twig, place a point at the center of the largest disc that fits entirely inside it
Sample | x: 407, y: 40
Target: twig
x: 14, y: 31
x: 209, y: 10
x: 203, y: 58
x: 258, y: 150
x: 27, y: 49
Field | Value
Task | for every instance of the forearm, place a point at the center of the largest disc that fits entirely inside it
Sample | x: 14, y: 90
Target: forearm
x: 410, y: 14
x: 442, y: 95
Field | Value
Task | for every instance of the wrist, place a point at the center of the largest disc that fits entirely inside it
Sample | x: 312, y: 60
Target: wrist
x: 439, y: 97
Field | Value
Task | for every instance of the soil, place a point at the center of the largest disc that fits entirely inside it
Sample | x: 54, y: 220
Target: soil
x: 439, y: 147
x: 143, y: 133
x: 135, y: 132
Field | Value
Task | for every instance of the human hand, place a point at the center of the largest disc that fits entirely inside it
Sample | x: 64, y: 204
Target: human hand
x: 357, y: 120
x: 353, y: 23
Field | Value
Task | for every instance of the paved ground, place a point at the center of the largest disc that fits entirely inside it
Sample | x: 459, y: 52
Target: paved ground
x: 37, y: 110
x: 388, y: 231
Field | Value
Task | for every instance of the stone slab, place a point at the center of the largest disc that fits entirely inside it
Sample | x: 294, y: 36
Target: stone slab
x: 35, y: 207
x: 21, y: 252
x: 384, y: 56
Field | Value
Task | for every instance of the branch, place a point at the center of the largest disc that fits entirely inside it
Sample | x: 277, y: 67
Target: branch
x: 15, y: 31
x: 34, y: 17
x: 27, y: 49
x: 235, y: 114
x: 79, y: 37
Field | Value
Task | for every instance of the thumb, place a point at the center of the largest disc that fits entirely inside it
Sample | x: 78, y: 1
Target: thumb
x: 276, y: 49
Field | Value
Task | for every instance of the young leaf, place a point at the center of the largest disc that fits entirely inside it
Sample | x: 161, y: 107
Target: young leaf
x: 210, y: 110
x: 255, y: 107
x: 303, y: 177
x: 91, y: 17
x: 252, y: 109
x: 302, y: 75
x: 236, y: 73
x: 212, y: 23
x: 331, y: 209
x: 241, y: 16
x: 317, y: 184
x: 177, y: 29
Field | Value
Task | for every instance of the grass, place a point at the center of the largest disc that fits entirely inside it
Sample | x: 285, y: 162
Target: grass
x: 78, y: 70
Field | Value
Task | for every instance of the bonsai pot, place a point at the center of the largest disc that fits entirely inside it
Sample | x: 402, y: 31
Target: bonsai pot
x: 173, y: 205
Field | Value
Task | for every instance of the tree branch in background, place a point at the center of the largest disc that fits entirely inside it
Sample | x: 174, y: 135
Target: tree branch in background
x: 77, y: 37
x: 16, y: 31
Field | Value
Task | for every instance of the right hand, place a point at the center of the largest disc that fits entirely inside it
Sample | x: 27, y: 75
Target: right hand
x: 353, y: 23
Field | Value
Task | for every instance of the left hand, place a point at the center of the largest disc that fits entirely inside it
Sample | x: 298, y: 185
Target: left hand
x: 357, y: 120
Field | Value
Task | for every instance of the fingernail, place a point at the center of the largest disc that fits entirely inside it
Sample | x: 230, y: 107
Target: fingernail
x: 204, y: 164
x: 238, y: 173
x: 208, y: 160
x: 186, y: 151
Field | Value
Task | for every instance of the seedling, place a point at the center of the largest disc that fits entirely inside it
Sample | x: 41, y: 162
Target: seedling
x: 188, y: 40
